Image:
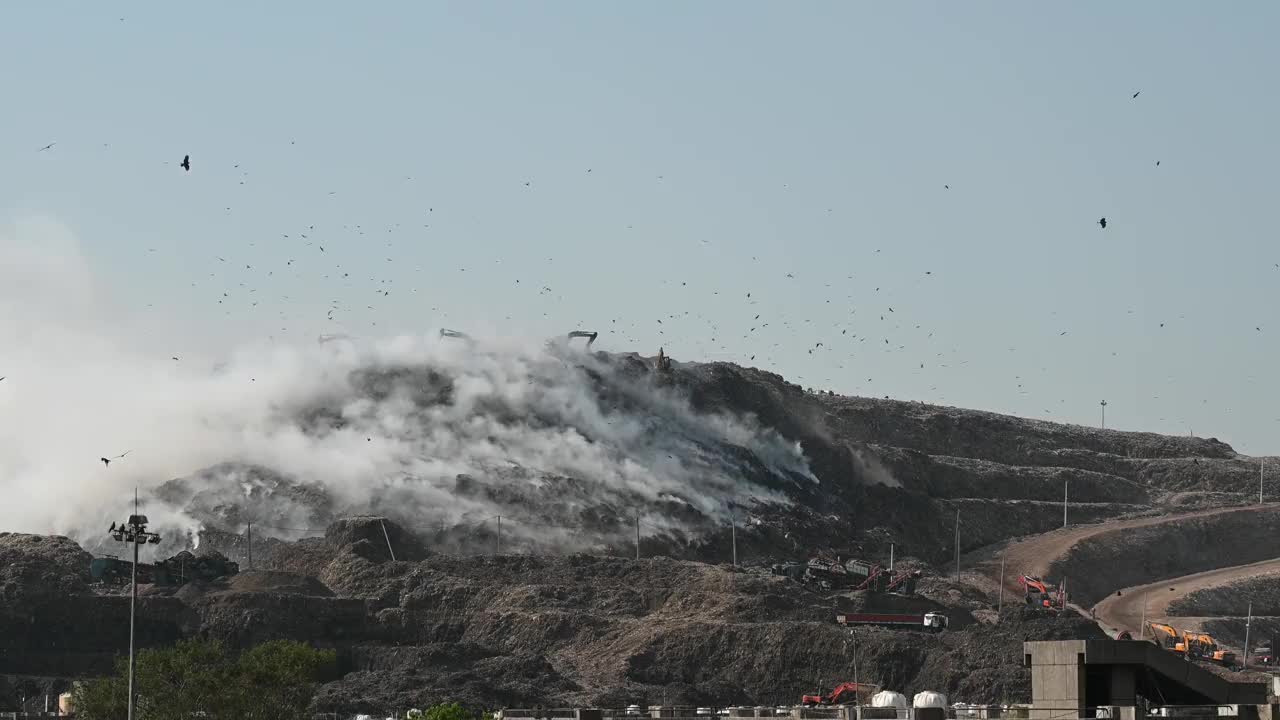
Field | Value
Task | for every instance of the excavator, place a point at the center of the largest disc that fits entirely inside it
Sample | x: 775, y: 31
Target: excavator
x: 1204, y: 647
x: 1167, y: 637
x: 845, y: 693
x: 1039, y: 593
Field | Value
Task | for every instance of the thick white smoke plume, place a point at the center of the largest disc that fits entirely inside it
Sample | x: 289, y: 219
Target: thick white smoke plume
x: 388, y: 424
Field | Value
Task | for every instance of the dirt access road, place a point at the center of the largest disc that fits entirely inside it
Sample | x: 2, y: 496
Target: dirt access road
x: 1126, y: 610
x: 1034, y: 555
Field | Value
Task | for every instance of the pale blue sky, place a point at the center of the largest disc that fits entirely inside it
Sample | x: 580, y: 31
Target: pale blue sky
x: 729, y: 144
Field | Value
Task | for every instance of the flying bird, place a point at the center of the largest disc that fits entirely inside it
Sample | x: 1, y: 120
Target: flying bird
x: 107, y: 461
x: 1103, y: 223
x: 47, y: 147
x: 186, y: 163
x: 1135, y: 95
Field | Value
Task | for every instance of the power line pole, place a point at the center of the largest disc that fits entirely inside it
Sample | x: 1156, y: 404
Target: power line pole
x: 1247, y: 623
x: 957, y: 543
x: 499, y: 535
x: 1000, y: 606
x: 637, y: 534
x: 249, y: 539
x: 733, y: 536
x: 135, y: 533
x: 387, y: 537
x: 1064, y: 502
x: 890, y: 558
x: 1262, y: 469
x: 1104, y: 414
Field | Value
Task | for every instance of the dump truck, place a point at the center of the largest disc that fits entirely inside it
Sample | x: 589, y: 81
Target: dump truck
x: 931, y: 621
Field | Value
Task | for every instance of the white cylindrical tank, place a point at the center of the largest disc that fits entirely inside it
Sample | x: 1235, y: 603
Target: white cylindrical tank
x: 890, y: 699
x: 929, y: 699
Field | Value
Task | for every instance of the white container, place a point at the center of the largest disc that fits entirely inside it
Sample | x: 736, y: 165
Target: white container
x: 929, y: 699
x: 890, y: 699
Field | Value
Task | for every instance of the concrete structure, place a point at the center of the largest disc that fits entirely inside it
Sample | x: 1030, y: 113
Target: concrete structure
x: 1073, y: 678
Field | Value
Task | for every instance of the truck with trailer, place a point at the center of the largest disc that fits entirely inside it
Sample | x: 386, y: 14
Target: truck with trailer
x: 930, y: 622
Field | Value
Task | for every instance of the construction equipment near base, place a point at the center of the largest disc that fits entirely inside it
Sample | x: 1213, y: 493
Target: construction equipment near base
x: 846, y: 693
x: 1194, y: 645
x: 930, y: 622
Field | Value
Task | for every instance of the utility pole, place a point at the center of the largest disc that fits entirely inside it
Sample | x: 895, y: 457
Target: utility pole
x: 1064, y: 502
x: 1104, y: 414
x: 1262, y: 470
x: 499, y: 535
x: 1247, y: 623
x: 135, y: 533
x: 853, y: 640
x: 890, y: 558
x: 957, y: 543
x: 1000, y: 606
x: 733, y: 536
x: 387, y: 537
x: 637, y: 534
x: 249, y: 539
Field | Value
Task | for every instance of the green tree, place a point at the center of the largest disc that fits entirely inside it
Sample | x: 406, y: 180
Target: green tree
x: 448, y: 711
x: 199, y: 678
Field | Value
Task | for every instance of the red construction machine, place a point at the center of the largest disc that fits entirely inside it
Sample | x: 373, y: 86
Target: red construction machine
x: 846, y: 693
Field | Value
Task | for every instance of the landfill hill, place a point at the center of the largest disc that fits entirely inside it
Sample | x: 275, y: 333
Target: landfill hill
x: 868, y: 472
x: 560, y: 613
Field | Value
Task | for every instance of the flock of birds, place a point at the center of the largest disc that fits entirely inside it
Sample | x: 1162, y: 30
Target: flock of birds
x: 709, y: 342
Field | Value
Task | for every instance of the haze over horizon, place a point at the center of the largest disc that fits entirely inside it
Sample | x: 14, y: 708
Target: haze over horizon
x: 917, y: 188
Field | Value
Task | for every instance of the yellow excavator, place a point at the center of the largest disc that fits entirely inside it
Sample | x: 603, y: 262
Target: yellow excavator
x: 1167, y: 637
x: 1203, y: 646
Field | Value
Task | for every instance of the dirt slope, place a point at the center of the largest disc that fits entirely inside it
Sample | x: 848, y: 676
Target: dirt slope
x: 1125, y: 611
x: 1036, y: 555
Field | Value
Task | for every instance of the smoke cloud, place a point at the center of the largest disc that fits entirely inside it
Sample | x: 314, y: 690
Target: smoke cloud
x: 436, y: 430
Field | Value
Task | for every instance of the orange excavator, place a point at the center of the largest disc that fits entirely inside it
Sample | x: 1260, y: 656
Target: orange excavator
x: 1167, y: 637
x: 1204, y: 647
x: 1039, y: 593
x: 843, y: 694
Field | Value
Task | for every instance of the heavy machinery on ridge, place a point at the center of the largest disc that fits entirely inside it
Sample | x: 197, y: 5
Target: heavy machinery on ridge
x: 829, y: 574
x: 1038, y: 593
x: 1167, y: 637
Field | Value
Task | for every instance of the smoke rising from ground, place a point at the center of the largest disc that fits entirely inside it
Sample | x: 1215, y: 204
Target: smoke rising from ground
x: 383, y: 426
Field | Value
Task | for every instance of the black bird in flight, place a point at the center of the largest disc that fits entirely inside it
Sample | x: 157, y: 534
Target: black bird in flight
x: 1103, y: 223
x: 186, y: 163
x: 47, y: 147
x: 107, y: 461
x: 1135, y: 95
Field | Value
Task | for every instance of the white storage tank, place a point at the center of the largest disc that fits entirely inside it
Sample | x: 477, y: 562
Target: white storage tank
x: 891, y: 699
x: 929, y: 705
x: 929, y: 699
